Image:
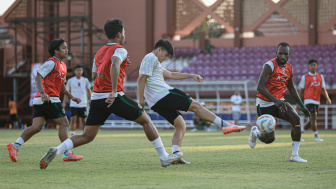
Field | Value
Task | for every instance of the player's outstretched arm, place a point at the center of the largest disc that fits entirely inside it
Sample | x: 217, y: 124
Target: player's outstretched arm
x: 38, y: 80
x: 325, y: 94
x: 301, y: 95
x: 89, y: 93
x: 263, y: 78
x: 141, y: 88
x: 67, y: 93
x: 292, y: 90
x: 177, y: 76
x: 114, y: 74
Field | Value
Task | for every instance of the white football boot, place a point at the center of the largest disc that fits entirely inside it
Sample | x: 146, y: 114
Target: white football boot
x: 171, y: 159
x: 318, y: 139
x: 297, y: 159
x: 253, y: 137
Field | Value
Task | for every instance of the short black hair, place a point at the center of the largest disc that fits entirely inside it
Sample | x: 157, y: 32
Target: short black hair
x: 77, y: 66
x: 284, y: 44
x: 165, y: 45
x: 312, y: 61
x: 54, y: 45
x: 112, y: 27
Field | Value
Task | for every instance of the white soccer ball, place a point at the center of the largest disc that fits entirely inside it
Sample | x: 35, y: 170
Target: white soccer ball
x: 266, y: 123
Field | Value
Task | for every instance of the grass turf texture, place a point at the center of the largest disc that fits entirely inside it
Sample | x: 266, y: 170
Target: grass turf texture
x: 126, y: 159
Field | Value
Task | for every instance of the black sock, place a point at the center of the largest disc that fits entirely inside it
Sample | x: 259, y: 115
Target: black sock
x: 176, y: 152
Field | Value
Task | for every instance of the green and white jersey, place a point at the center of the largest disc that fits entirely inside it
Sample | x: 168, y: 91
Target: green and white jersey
x: 155, y: 88
x: 78, y: 88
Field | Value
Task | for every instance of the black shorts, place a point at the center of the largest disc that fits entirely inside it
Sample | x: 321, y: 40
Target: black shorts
x: 169, y: 106
x: 49, y: 110
x: 271, y: 110
x: 122, y: 106
x: 12, y: 117
x: 80, y: 112
x: 312, y: 108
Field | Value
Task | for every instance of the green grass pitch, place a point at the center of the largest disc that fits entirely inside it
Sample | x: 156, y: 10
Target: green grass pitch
x: 126, y: 159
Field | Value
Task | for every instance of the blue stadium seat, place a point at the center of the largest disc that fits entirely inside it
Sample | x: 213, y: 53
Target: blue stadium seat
x: 119, y: 118
x: 111, y: 117
x: 160, y: 118
x: 224, y: 116
x: 153, y: 116
x: 189, y: 116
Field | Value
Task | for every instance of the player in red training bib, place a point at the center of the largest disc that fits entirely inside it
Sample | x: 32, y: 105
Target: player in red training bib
x: 275, y: 78
x: 47, y: 105
x: 109, y: 69
x: 311, y: 86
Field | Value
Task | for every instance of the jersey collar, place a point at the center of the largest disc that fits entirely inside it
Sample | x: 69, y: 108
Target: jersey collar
x: 57, y: 59
x: 311, y: 74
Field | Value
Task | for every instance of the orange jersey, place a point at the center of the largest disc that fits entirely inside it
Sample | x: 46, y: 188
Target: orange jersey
x: 278, y: 80
x: 313, y: 87
x: 53, y: 82
x: 12, y: 109
x: 103, y: 82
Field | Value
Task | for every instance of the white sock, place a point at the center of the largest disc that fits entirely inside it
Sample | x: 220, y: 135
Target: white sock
x: 157, y: 144
x: 295, y: 148
x: 175, y: 148
x: 218, y: 121
x: 66, y: 145
x: 315, y: 134
x: 72, y: 133
x: 18, y: 143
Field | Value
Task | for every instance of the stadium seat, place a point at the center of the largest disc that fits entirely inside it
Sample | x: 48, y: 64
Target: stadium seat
x: 232, y: 62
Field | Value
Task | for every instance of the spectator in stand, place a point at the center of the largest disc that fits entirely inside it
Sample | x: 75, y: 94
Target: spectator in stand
x: 236, y: 99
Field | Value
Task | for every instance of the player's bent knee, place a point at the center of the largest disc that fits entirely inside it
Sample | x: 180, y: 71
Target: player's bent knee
x: 195, y: 106
x: 88, y: 137
x: 37, y: 129
x: 143, y: 120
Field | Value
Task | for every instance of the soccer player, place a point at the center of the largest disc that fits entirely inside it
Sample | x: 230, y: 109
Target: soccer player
x: 80, y: 87
x: 47, y: 105
x: 276, y: 76
x: 109, y: 69
x: 168, y: 101
x: 311, y: 86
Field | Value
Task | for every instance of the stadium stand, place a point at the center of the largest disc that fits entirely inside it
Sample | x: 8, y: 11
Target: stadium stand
x: 246, y: 62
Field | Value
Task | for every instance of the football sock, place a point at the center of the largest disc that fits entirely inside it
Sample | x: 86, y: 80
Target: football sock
x: 175, y: 149
x: 72, y: 133
x: 18, y: 143
x: 316, y: 134
x: 295, y: 148
x: 67, y: 153
x: 66, y: 145
x: 157, y: 144
x: 218, y: 121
